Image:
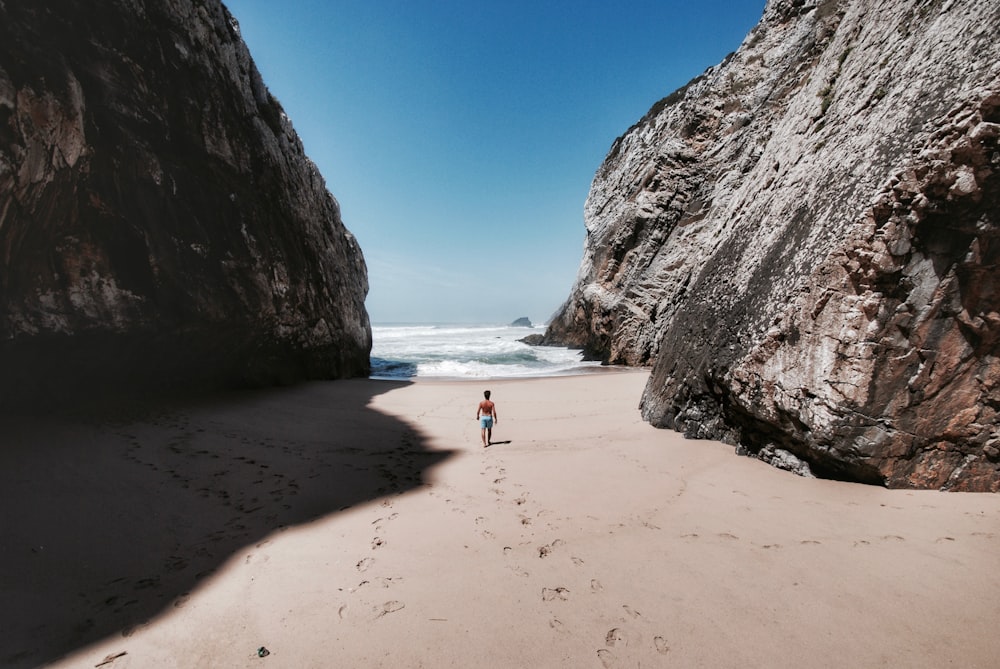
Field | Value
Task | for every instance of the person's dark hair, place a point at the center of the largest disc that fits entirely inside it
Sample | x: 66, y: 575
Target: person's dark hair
x: 486, y: 394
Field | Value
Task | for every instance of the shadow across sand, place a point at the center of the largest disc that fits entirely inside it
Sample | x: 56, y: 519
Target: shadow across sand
x: 110, y: 517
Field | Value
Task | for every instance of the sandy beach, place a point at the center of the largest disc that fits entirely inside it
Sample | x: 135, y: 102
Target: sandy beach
x: 362, y: 524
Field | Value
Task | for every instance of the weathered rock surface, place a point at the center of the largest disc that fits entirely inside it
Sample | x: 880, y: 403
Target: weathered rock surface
x: 160, y: 223
x: 803, y: 242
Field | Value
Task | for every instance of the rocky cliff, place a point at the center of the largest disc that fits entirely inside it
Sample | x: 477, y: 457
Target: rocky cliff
x: 160, y: 223
x: 803, y: 244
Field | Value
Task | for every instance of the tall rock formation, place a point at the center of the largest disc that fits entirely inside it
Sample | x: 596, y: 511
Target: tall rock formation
x: 803, y: 243
x: 160, y: 223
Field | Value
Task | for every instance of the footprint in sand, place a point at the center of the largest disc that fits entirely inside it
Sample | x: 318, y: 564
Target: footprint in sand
x: 661, y: 645
x: 545, y: 551
x: 607, y: 658
x: 595, y: 585
x: 365, y: 563
x: 377, y: 522
x: 388, y: 607
x: 558, y: 625
x: 551, y: 594
x: 377, y: 542
x: 629, y: 610
x: 175, y: 563
x: 616, y: 637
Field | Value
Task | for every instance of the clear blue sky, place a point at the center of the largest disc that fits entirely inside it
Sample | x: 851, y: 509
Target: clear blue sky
x: 460, y: 137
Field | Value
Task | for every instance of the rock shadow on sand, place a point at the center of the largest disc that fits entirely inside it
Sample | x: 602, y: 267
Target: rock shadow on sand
x: 111, y: 517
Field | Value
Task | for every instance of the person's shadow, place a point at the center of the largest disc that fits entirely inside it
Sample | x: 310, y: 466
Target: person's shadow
x: 498, y: 443
x: 109, y: 521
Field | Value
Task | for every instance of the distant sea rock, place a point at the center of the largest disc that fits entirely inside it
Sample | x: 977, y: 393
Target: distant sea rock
x: 803, y: 242
x: 522, y: 322
x: 160, y: 223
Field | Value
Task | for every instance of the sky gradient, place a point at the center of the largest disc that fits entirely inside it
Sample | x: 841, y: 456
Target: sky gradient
x: 460, y: 137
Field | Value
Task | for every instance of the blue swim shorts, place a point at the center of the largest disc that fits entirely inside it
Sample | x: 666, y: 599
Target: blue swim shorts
x: 486, y: 422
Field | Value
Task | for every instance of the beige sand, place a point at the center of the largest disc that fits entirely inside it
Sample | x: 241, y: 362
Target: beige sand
x: 361, y: 524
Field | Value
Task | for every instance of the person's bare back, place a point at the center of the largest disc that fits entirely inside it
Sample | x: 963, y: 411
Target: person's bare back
x: 486, y: 414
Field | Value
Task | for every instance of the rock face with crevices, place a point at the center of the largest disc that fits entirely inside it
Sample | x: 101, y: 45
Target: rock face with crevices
x: 803, y: 244
x: 160, y: 223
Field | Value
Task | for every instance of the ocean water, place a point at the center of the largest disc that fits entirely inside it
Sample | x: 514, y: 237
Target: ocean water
x: 467, y: 351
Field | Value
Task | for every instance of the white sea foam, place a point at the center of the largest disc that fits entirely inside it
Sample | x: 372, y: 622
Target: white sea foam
x: 467, y: 351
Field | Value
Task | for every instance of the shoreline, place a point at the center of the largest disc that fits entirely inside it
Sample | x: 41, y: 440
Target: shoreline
x: 361, y: 523
x: 468, y: 351
x: 583, y: 370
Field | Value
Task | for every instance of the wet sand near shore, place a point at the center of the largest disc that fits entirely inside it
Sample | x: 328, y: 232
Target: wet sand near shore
x: 362, y: 523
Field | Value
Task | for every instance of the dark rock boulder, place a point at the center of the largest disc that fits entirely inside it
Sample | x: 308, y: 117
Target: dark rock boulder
x: 802, y: 242
x: 160, y: 223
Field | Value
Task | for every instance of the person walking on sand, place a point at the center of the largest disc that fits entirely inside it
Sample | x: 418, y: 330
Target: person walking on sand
x: 486, y: 414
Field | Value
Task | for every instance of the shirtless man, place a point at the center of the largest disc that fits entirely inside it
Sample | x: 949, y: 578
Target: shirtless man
x: 486, y: 414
